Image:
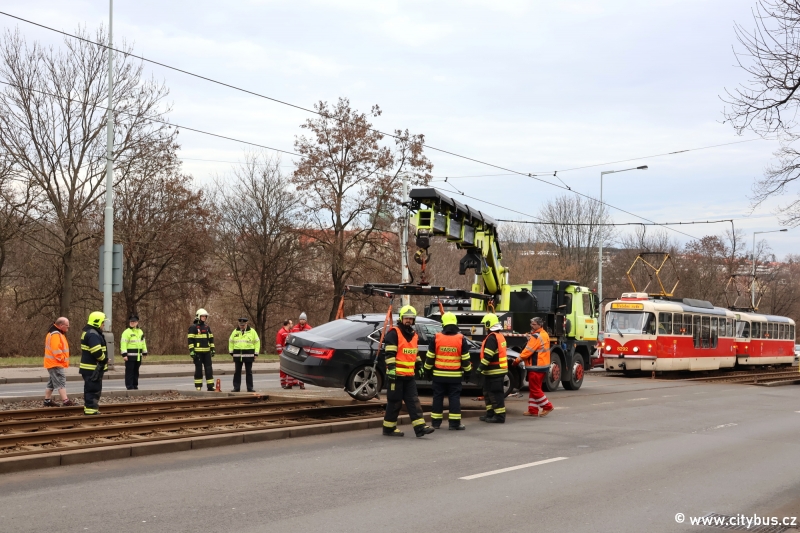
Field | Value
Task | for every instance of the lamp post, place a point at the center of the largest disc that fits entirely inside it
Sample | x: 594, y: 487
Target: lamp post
x: 753, y: 256
x: 600, y: 247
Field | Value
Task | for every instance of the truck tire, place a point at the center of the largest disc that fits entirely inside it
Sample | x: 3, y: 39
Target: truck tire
x: 553, y: 376
x: 576, y: 378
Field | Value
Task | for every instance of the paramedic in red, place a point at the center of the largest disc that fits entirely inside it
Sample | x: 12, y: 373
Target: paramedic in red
x: 302, y: 325
x: 280, y: 343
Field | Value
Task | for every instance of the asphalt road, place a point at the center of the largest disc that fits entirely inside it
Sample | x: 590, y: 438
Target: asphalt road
x: 637, y: 452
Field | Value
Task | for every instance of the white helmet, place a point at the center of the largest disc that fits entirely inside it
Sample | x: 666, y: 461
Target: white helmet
x: 201, y: 312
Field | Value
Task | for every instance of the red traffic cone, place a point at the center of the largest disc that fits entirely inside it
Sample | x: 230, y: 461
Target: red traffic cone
x: 219, y: 385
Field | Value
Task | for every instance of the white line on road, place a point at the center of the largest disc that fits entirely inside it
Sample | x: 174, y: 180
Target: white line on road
x: 637, y: 399
x: 510, y: 468
x: 725, y: 426
x: 602, y: 403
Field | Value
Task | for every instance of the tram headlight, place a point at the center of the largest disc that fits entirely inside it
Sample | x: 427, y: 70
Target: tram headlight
x: 608, y: 348
x: 635, y: 349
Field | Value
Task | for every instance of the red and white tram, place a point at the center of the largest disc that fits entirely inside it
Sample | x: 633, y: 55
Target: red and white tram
x: 650, y: 334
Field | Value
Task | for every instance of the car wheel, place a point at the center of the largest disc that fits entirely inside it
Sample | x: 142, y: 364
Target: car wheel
x: 553, y: 376
x: 370, y: 379
x: 511, y: 382
x: 576, y: 379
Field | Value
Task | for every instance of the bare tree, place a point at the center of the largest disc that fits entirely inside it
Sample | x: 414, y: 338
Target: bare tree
x: 52, y: 126
x: 16, y: 200
x: 768, y: 102
x: 257, y: 239
x: 349, y: 185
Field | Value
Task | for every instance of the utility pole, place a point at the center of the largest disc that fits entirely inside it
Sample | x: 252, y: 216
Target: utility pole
x: 406, y: 300
x: 108, y: 237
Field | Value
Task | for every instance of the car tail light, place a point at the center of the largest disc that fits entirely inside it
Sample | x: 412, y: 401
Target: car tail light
x: 320, y: 353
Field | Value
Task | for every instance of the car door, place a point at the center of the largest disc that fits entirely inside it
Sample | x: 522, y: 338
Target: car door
x: 426, y: 333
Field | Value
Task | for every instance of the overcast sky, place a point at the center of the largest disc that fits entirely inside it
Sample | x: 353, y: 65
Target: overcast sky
x: 533, y: 86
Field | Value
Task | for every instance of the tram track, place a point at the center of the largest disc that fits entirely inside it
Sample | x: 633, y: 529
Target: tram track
x: 758, y: 378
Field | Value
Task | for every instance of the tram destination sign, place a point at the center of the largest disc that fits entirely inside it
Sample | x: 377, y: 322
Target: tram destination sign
x: 625, y: 305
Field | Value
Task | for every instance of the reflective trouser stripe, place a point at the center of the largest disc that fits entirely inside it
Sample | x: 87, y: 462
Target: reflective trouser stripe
x: 209, y: 381
x: 90, y: 411
x: 418, y: 422
x: 437, y: 416
x: 488, y: 407
x: 454, y: 416
x: 388, y: 424
x: 500, y: 410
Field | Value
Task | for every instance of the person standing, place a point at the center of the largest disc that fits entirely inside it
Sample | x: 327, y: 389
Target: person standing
x: 446, y: 363
x: 132, y: 347
x: 401, y: 351
x: 537, y: 362
x: 280, y: 344
x: 494, y: 367
x: 201, y: 348
x: 302, y: 325
x: 56, y: 361
x: 244, y: 346
x: 94, y: 362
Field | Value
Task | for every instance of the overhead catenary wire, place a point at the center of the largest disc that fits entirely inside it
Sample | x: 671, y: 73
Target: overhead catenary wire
x: 541, y: 222
x: 313, y: 111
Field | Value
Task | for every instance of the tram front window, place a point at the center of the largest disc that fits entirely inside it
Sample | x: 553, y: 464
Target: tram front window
x: 630, y: 323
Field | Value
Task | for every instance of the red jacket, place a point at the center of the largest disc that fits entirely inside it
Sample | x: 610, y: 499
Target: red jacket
x: 280, y: 340
x: 297, y: 328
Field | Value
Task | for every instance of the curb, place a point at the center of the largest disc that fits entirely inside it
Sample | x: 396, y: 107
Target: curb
x: 180, y: 374
x: 111, y: 394
x: 107, y: 453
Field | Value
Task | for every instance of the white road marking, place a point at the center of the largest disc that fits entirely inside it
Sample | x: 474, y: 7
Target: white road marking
x: 670, y: 395
x: 725, y: 426
x: 637, y: 399
x: 510, y: 468
x: 606, y: 403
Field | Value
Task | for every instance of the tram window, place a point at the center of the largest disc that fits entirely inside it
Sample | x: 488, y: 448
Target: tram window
x: 664, y: 323
x: 705, y: 336
x: 731, y: 327
x: 769, y: 331
x: 712, y: 341
x: 791, y: 331
x: 756, y: 330
x: 687, y: 325
x: 696, y: 325
x: 743, y: 329
x: 782, y: 332
x: 677, y: 324
x: 650, y: 325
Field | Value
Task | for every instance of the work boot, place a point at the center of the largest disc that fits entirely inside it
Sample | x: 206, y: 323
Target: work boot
x: 68, y: 403
x: 545, y: 412
x: 50, y: 403
x: 251, y: 390
x: 421, y: 431
x: 211, y: 389
x: 199, y: 388
x: 436, y: 424
x: 302, y: 386
x: 457, y: 427
x: 496, y: 420
x: 486, y: 418
x: 234, y: 390
x: 392, y: 432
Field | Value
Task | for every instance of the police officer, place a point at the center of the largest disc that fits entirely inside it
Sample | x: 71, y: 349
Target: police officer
x: 446, y: 362
x: 494, y: 367
x: 244, y: 346
x: 132, y: 347
x: 537, y: 362
x: 93, y: 362
x: 201, y: 348
x: 401, y: 353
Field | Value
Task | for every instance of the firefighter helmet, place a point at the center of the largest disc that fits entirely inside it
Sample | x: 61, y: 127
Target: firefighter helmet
x: 96, y: 319
x: 490, y: 320
x: 449, y: 319
x: 408, y: 311
x: 201, y: 312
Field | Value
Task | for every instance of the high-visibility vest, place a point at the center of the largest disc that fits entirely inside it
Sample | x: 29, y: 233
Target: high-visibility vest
x: 56, y: 350
x: 407, y: 353
x: 543, y: 350
x: 500, y: 366
x: 132, y: 343
x: 244, y: 343
x: 448, y: 355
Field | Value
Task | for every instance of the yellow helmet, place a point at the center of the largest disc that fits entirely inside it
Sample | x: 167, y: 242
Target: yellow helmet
x: 408, y: 311
x: 201, y: 312
x: 96, y: 319
x: 449, y: 319
x: 490, y: 320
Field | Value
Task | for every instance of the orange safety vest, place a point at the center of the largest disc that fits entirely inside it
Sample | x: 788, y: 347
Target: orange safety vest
x: 500, y: 366
x: 407, y: 353
x: 538, y: 344
x: 56, y: 350
x: 448, y: 352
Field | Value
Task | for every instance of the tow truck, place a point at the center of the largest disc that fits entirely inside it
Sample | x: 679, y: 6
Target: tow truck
x: 570, y: 311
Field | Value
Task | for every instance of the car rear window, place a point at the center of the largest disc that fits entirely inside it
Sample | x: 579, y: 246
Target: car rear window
x: 344, y: 329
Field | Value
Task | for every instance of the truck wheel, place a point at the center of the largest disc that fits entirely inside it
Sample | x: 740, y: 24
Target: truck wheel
x: 576, y: 380
x: 553, y: 376
x: 358, y: 377
x: 511, y: 382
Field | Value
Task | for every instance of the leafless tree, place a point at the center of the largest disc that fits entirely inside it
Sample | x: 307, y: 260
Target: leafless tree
x: 768, y: 102
x: 52, y: 127
x: 349, y: 185
x: 16, y: 200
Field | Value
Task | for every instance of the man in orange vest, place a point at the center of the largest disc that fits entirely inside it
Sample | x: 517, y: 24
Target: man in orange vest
x: 401, y: 351
x: 446, y: 363
x: 537, y: 362
x: 56, y: 361
x: 494, y: 367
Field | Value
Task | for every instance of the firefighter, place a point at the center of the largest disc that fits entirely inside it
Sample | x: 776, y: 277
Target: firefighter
x: 132, y: 347
x: 402, y: 353
x: 446, y: 363
x: 537, y: 362
x: 302, y: 325
x: 201, y: 348
x: 280, y: 344
x: 244, y: 346
x: 494, y: 367
x: 94, y: 362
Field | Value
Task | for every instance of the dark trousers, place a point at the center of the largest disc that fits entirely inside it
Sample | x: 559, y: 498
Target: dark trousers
x: 494, y: 397
x: 237, y: 374
x: 453, y: 393
x: 132, y: 372
x: 203, y: 361
x: 398, y: 392
x: 91, y: 395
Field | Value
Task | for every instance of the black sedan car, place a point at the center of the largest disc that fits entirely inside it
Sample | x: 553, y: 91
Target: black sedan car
x: 340, y: 354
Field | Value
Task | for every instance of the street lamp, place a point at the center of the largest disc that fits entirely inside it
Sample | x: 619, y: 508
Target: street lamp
x: 600, y: 252
x: 753, y: 257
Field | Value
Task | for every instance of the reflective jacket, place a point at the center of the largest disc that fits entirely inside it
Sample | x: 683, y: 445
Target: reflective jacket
x: 244, y: 343
x: 448, y: 356
x: 494, y: 361
x: 201, y: 340
x: 56, y: 349
x: 93, y: 350
x: 537, y: 352
x: 401, y: 351
x: 132, y: 343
